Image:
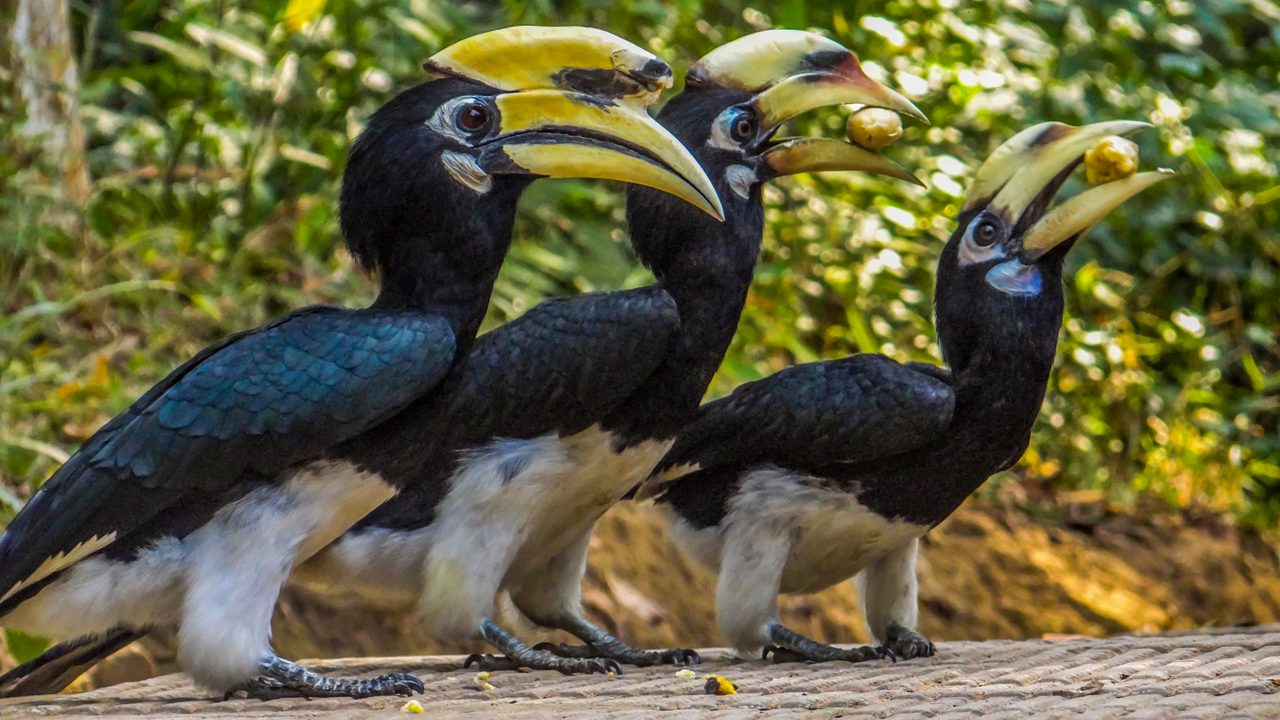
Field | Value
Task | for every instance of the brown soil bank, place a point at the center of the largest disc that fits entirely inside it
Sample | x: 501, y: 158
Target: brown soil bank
x: 985, y: 573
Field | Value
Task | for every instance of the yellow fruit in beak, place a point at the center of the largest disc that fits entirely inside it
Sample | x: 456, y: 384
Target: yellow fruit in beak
x: 874, y: 128
x: 1110, y: 159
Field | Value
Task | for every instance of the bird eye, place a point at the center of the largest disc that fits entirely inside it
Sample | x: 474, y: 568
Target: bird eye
x: 986, y: 233
x: 742, y: 126
x: 472, y: 118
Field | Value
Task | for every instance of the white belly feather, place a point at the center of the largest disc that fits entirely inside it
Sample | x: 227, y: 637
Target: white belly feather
x: 512, y: 506
x: 218, y: 583
x: 828, y: 535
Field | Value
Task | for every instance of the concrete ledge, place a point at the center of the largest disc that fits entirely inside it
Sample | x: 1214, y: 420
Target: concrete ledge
x: 1226, y: 673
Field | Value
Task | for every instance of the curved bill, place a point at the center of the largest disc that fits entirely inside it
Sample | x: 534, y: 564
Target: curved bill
x: 564, y: 134
x: 758, y: 60
x: 578, y: 59
x: 793, y: 72
x: 1020, y: 169
x: 798, y: 155
x: 1076, y: 216
x: 789, y: 73
x: 799, y: 94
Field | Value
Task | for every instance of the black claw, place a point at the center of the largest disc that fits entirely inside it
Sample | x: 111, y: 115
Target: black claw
x: 782, y: 655
x: 476, y: 658
x: 909, y: 643
x: 680, y: 656
x: 406, y: 684
x: 885, y: 653
x: 612, y: 666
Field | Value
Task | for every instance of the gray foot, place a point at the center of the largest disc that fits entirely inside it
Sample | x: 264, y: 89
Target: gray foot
x: 791, y: 646
x: 279, y: 678
x: 520, y: 655
x: 600, y: 644
x: 623, y: 653
x: 908, y: 644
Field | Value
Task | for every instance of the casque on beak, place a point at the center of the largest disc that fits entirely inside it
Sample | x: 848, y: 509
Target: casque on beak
x: 792, y: 72
x: 1020, y: 178
x: 580, y: 59
x: 574, y: 105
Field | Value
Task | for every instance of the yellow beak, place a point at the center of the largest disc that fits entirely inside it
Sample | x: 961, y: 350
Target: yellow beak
x: 580, y: 59
x: 1076, y: 216
x: 1018, y: 170
x: 800, y: 155
x: 790, y: 73
x: 1029, y: 168
x: 843, y: 85
x: 562, y: 134
x: 573, y: 105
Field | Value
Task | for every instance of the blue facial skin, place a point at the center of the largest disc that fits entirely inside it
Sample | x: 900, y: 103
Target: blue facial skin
x: 1013, y: 278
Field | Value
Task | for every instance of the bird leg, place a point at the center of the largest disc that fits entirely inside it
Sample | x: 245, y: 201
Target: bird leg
x: 601, y: 644
x: 887, y: 592
x: 279, y: 678
x: 520, y: 655
x: 790, y: 646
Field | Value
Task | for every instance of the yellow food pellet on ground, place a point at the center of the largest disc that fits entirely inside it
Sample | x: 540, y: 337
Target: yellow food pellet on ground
x: 1110, y: 159
x: 874, y: 128
x: 686, y: 674
x: 482, y: 676
x: 413, y: 706
x: 486, y: 687
x: 719, y: 685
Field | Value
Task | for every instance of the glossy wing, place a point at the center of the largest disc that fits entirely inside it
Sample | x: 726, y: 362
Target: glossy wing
x: 563, y: 365
x: 559, y: 368
x: 255, y: 403
x: 854, y: 409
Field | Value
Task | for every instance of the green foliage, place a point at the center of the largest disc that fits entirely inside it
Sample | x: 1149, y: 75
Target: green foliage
x: 217, y: 137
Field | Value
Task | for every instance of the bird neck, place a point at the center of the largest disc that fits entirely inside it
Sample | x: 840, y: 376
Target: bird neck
x: 997, y: 402
x: 706, y: 267
x: 444, y: 260
x: 999, y: 381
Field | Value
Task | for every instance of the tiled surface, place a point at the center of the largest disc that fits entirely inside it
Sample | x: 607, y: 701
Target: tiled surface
x: 1220, y: 674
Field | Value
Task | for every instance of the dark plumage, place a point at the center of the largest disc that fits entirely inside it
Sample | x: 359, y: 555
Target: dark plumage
x: 244, y: 414
x: 558, y: 368
x: 556, y: 416
x: 535, y: 400
x: 828, y: 470
x: 251, y: 405
x: 189, y: 509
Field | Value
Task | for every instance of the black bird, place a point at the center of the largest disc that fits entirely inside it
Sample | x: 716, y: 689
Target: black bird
x: 558, y: 414
x: 828, y: 470
x: 190, y: 508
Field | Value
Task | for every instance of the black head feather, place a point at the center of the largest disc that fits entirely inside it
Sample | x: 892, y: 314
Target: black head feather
x: 983, y: 329
x: 669, y: 235
x: 432, y: 240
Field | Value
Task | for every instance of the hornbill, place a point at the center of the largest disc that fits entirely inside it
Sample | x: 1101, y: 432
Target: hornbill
x: 833, y: 469
x: 190, y: 508
x: 556, y: 415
